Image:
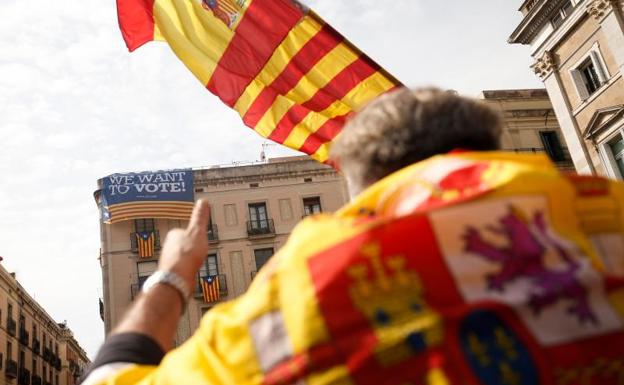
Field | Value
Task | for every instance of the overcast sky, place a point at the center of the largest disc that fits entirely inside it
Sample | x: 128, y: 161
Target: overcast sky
x: 76, y: 106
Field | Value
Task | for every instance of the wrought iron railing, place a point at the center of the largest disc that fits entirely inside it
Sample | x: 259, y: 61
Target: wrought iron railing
x: 223, y: 288
x: 262, y: 227
x: 11, y: 369
x: 213, y: 233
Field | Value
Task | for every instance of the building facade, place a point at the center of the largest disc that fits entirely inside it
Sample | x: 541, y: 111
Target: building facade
x: 253, y: 210
x: 578, y: 48
x: 33, y: 347
x: 530, y: 125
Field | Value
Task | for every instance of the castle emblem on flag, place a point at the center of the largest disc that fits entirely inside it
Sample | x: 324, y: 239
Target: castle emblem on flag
x: 524, y: 257
x: 228, y: 11
x: 393, y: 302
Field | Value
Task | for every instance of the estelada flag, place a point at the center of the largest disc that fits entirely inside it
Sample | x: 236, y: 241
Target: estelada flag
x: 290, y: 76
x: 146, y: 243
x: 211, y: 288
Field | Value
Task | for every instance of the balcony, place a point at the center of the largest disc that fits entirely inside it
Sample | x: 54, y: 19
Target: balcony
x: 35, y: 380
x: 134, y: 244
x: 57, y: 363
x: 261, y: 228
x: 11, y: 326
x: 213, y: 233
x: 563, y: 163
x: 11, y: 369
x: 36, y: 348
x: 135, y: 290
x: 47, y: 354
x: 223, y: 289
x: 24, y: 337
x: 24, y: 377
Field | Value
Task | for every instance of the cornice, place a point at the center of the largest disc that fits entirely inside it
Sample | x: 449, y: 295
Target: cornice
x: 534, y: 21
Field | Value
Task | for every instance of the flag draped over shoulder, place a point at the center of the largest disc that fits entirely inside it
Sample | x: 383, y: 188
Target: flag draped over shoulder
x: 290, y: 76
x: 471, y: 268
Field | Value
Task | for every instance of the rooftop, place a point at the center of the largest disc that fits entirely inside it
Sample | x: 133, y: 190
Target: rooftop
x: 531, y: 93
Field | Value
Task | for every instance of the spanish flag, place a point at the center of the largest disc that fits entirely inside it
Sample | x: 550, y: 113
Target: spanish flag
x: 290, y: 76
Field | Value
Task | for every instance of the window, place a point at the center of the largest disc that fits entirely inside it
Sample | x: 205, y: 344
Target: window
x: 562, y: 14
x: 22, y: 359
x: 258, y: 217
x: 9, y: 350
x: 552, y: 145
x: 142, y: 280
x: 312, y: 206
x: 589, y: 74
x: 144, y: 225
x: 262, y: 256
x: 10, y: 311
x: 616, y: 146
x: 34, y: 366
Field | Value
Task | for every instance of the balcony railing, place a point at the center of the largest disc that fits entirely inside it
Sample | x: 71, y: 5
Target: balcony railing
x: 213, y: 233
x: 134, y: 244
x: 135, y: 290
x: 261, y: 228
x: 24, y: 337
x: 11, y: 369
x: 36, y: 346
x: 24, y: 377
x: 47, y: 354
x: 11, y: 326
x: 223, y: 289
x: 564, y: 162
x: 57, y: 363
x: 36, y: 380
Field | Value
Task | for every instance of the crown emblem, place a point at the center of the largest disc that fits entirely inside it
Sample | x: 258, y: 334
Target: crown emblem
x: 391, y: 298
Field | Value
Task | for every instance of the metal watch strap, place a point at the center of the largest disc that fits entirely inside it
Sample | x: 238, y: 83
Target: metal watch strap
x: 172, y: 279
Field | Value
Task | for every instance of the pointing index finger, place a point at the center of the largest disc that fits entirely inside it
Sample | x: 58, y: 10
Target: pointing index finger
x: 200, y: 216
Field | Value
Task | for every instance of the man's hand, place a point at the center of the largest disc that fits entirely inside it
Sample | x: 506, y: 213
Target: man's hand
x: 184, y: 251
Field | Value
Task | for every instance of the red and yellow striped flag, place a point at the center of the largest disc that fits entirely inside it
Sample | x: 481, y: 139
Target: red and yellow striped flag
x: 290, y: 76
x: 146, y: 243
x: 211, y: 288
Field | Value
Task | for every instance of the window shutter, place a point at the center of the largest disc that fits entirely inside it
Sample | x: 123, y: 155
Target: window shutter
x: 581, y: 89
x: 600, y: 68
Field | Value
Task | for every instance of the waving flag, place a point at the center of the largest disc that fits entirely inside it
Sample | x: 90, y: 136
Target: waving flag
x: 290, y: 76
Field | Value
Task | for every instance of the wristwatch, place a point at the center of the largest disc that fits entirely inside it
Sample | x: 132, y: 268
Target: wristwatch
x: 168, y: 278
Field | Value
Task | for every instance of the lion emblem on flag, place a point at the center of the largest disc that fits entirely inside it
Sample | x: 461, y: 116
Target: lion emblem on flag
x: 228, y: 11
x: 524, y: 257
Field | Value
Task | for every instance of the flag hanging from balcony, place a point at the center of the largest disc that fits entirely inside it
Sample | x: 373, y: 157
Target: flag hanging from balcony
x: 146, y: 243
x: 290, y: 76
x: 211, y: 289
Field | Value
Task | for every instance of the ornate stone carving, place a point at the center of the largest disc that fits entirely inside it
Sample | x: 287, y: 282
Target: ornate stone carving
x: 598, y: 9
x: 545, y: 65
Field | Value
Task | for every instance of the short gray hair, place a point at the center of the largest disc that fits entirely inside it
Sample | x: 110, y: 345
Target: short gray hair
x: 406, y: 126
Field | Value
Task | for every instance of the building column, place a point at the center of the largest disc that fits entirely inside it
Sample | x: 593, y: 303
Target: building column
x: 609, y: 14
x: 545, y: 67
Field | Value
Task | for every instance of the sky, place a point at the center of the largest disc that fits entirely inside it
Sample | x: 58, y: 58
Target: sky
x: 76, y: 106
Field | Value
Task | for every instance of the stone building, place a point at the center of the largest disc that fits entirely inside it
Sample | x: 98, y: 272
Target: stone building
x: 578, y: 47
x: 530, y: 125
x: 253, y: 210
x: 34, y: 349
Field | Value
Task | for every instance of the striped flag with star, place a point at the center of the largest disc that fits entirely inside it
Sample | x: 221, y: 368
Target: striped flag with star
x: 291, y: 77
x: 211, y: 289
x: 146, y: 243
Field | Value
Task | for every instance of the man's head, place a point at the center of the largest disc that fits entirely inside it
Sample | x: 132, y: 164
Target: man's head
x: 406, y: 126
